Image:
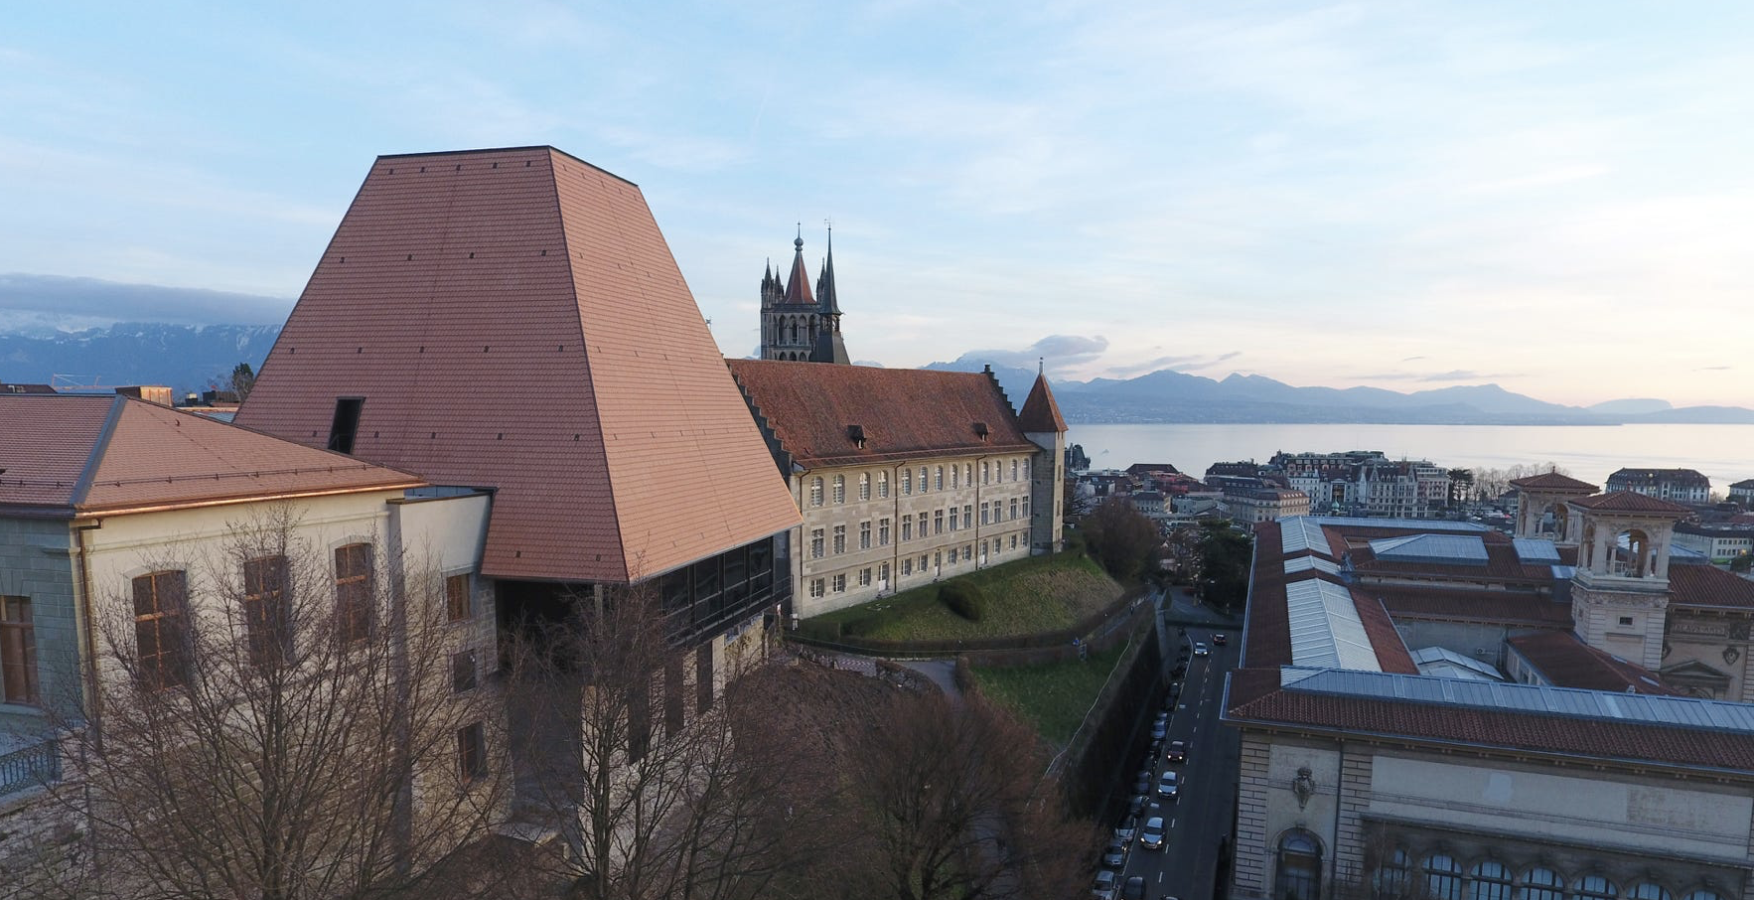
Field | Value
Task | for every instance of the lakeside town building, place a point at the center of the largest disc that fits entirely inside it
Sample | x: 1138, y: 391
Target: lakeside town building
x: 1431, y: 707
x: 1678, y: 485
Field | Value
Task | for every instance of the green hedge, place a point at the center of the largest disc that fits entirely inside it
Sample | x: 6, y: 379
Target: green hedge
x: 965, y: 598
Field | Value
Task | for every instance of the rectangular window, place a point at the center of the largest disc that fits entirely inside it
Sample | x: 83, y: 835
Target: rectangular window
x: 817, y: 587
x: 18, y: 651
x: 882, y: 532
x: 267, y: 616
x: 160, y: 634
x: 354, y: 604
x: 907, y: 529
x: 953, y: 520
x: 457, y: 597
x: 937, y: 521
x: 1013, y: 507
x: 953, y: 554
x: 864, y: 578
x: 840, y: 584
x: 984, y: 514
x: 907, y: 566
x: 840, y: 539
x: 840, y: 489
x: 864, y: 535
x: 471, y: 752
x: 968, y: 516
x: 345, y: 425
x: 924, y: 526
x: 1014, y: 542
x: 815, y: 492
x: 816, y: 544
x: 463, y: 671
x: 1026, y: 507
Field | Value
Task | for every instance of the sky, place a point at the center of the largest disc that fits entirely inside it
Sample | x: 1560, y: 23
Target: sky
x: 1553, y: 197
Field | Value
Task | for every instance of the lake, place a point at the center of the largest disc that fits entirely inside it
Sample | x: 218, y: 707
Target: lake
x: 1725, y: 453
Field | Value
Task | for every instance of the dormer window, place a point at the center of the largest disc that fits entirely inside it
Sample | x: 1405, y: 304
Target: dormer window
x: 856, y: 433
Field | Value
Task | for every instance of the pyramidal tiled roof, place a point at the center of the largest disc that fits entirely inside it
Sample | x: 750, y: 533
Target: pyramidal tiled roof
x: 514, y: 319
x: 1553, y: 481
x: 96, y: 454
x: 1040, y: 412
x: 1631, y: 502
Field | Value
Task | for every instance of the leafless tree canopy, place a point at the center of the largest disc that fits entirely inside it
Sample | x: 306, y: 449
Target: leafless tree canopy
x: 273, y: 723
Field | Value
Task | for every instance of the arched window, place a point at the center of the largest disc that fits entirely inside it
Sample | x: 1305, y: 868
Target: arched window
x: 1013, y: 470
x: 986, y: 473
x: 840, y: 489
x: 922, y: 479
x: 1595, y: 887
x: 1703, y: 894
x: 815, y: 492
x: 864, y: 485
x: 1490, y: 881
x: 907, y: 482
x: 1648, y: 890
x: 1390, y: 878
x: 1026, y: 470
x: 938, y: 483
x: 883, y: 485
x: 1541, y: 884
x: 1443, y: 878
x: 955, y: 480
x: 968, y: 474
x: 1299, y: 873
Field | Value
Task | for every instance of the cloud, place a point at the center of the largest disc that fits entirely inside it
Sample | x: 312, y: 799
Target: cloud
x: 1411, y: 358
x: 1467, y: 375
x: 91, y: 301
x: 1057, y: 351
x: 1714, y: 368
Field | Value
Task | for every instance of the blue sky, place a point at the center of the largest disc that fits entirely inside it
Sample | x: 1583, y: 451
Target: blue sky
x: 1554, y: 197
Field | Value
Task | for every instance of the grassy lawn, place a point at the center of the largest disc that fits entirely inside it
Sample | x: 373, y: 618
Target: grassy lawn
x: 1031, y: 595
x: 1053, y: 698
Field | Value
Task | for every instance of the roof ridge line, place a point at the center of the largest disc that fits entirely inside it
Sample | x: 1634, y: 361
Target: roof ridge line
x: 82, y: 487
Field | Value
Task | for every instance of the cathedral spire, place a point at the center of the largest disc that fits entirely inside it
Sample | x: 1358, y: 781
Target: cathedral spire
x: 798, y: 286
x: 825, y: 283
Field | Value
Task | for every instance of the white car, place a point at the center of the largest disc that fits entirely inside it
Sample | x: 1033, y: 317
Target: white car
x: 1202, y: 650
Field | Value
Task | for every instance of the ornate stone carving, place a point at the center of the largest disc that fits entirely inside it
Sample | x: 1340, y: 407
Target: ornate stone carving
x: 1739, y: 630
x: 1731, y: 654
x: 1303, y: 786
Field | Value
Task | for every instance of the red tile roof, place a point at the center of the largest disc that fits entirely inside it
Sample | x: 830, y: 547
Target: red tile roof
x: 1256, y: 697
x: 1471, y: 605
x: 902, y: 413
x: 1628, y: 501
x: 1697, y: 585
x: 1041, y: 413
x: 1569, y: 662
x: 1553, y: 481
x: 91, y: 454
x: 514, y: 319
x: 1267, y: 632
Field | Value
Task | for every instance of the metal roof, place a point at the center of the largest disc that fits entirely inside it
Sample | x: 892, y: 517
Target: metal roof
x: 1433, y: 525
x: 1434, y: 660
x: 1536, y: 551
x: 1306, y: 563
x: 1638, y: 709
x: 1443, y: 549
x: 1325, y: 628
x: 1300, y: 533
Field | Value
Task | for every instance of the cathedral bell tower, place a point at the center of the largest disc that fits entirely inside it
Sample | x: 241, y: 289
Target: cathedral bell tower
x: 1620, y: 595
x: 796, y: 326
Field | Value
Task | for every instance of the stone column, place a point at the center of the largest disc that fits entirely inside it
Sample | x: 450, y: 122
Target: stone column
x: 1249, y: 869
x: 1349, y: 837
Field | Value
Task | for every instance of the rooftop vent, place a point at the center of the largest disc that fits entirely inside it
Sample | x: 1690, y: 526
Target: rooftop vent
x: 857, y: 434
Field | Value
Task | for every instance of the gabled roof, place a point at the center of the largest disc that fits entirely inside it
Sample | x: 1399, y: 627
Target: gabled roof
x: 1553, y: 481
x: 1700, y: 585
x: 899, y: 413
x: 84, y: 454
x: 1568, y: 662
x: 1040, y: 413
x: 1630, y: 502
x: 514, y: 319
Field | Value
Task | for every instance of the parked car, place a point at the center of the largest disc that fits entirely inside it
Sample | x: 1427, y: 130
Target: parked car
x: 1220, y: 639
x: 1135, y: 889
x: 1202, y: 650
x: 1136, y: 805
x: 1114, y: 856
x: 1160, y: 727
x: 1152, y: 836
x: 1104, y: 888
x: 1178, y: 752
x: 1169, y: 786
x: 1142, y: 781
x: 1128, y: 829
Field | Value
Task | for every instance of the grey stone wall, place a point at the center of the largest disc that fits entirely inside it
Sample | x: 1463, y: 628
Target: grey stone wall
x: 36, y: 562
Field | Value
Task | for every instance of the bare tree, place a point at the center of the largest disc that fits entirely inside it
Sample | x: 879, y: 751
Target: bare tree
x: 277, y: 721
x: 954, y: 804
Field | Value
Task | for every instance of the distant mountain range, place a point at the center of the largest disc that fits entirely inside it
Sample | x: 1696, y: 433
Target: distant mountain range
x: 195, y: 357
x: 1170, y: 396
x: 186, y: 357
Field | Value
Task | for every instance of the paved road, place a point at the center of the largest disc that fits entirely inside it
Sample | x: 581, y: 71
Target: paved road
x: 1186, y: 867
